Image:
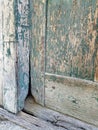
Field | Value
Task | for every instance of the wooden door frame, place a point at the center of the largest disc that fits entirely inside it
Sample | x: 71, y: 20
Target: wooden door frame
x: 15, y: 42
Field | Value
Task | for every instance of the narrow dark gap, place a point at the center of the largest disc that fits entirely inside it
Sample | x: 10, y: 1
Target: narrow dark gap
x: 30, y: 46
x: 29, y: 89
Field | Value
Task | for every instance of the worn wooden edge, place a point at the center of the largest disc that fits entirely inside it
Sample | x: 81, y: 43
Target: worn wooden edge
x: 9, y: 77
x: 72, y: 80
x: 56, y: 118
x: 26, y: 121
x: 1, y: 53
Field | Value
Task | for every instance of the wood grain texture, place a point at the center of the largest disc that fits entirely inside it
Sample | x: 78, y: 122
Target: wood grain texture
x: 9, y: 56
x: 23, y: 42
x: 57, y: 119
x: 75, y: 97
x: 1, y: 54
x: 96, y: 44
x: 27, y: 121
x: 9, y: 82
x: 71, y: 47
x: 8, y: 20
x: 37, y: 52
x: 15, y: 38
x: 1, y: 72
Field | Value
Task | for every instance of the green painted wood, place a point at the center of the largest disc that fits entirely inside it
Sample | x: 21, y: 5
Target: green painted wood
x: 15, y: 32
x: 37, y: 51
x: 96, y: 43
x: 23, y: 43
x: 71, y: 47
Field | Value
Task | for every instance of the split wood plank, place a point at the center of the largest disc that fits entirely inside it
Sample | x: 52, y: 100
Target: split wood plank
x: 56, y: 118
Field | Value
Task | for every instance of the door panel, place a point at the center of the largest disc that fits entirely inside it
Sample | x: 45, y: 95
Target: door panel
x: 71, y: 38
x: 72, y: 58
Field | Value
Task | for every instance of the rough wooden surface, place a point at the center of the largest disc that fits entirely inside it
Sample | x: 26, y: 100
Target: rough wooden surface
x: 14, y: 53
x: 9, y: 56
x: 75, y: 97
x: 57, y: 119
x: 96, y: 43
x: 22, y: 10
x: 38, y: 48
x: 8, y: 20
x: 7, y: 125
x: 1, y: 55
x: 72, y: 38
x: 26, y: 121
x: 9, y: 82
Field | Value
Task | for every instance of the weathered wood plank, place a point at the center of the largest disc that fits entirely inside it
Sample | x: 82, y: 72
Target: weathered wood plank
x: 72, y: 38
x: 16, y: 53
x: 27, y: 121
x: 23, y: 43
x: 9, y: 82
x: 9, y: 56
x: 75, y: 97
x: 8, y: 20
x: 1, y: 72
x: 96, y: 44
x: 55, y: 118
x: 1, y: 54
x: 38, y: 49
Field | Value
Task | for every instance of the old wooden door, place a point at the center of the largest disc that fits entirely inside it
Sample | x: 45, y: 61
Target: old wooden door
x: 64, y: 56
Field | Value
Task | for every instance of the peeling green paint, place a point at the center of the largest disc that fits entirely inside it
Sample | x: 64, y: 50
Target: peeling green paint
x: 70, y: 45
x: 8, y: 52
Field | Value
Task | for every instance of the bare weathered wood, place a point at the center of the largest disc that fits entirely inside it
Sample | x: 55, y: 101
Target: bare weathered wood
x: 8, y: 20
x: 9, y: 76
x: 37, y: 51
x: 27, y: 121
x: 9, y: 56
x: 75, y: 97
x: 1, y: 54
x: 56, y: 118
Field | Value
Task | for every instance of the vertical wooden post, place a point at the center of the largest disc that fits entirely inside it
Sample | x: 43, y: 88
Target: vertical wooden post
x: 1, y: 54
x: 9, y: 57
x: 22, y: 33
x: 38, y: 52
x: 15, y: 54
